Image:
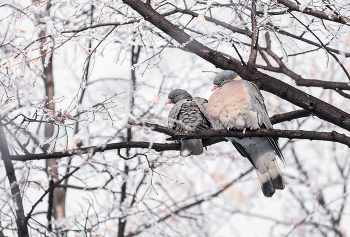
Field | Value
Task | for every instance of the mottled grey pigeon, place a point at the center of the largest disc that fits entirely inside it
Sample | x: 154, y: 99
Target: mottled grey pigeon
x: 237, y: 104
x: 188, y: 114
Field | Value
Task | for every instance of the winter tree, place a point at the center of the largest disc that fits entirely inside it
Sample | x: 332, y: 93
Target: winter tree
x: 84, y: 141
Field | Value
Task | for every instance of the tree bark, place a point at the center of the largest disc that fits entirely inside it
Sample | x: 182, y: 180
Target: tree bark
x: 16, y: 194
x: 135, y: 53
x: 59, y: 195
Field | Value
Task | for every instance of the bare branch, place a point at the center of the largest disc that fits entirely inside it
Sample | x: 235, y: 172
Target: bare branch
x: 278, y: 118
x: 255, y: 37
x: 283, y: 32
x: 50, y: 189
x: 240, y: 56
x: 345, y: 95
x: 195, y: 203
x: 16, y: 194
x: 324, y: 46
x: 291, y: 134
x: 319, y: 14
x: 210, y: 19
x: 324, y: 84
x: 115, y: 24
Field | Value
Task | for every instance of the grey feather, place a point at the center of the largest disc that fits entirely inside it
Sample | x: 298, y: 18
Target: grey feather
x: 266, y: 184
x: 191, y: 147
x: 253, y: 90
x: 174, y: 116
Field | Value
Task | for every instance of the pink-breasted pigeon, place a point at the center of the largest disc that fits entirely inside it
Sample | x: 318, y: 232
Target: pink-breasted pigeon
x: 237, y: 104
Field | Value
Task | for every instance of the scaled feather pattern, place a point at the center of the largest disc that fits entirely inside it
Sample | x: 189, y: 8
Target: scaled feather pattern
x: 188, y: 114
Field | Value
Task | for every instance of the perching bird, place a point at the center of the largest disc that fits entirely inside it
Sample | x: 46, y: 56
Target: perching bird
x: 188, y: 114
x: 237, y: 104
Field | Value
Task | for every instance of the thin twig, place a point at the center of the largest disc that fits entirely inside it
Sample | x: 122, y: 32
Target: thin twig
x: 255, y: 37
x: 324, y: 46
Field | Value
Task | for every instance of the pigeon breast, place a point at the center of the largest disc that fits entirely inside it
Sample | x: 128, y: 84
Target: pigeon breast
x: 191, y: 115
x: 230, y: 107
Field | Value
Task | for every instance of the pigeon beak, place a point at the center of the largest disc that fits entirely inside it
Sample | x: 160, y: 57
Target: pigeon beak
x: 168, y: 102
x: 213, y: 89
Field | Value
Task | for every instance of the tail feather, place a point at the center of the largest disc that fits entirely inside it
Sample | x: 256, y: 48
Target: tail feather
x: 276, y: 176
x: 271, y: 180
x: 263, y: 158
x: 266, y: 184
x: 191, y: 147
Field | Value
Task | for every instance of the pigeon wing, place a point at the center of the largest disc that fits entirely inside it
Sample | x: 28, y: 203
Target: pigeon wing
x: 173, y: 117
x: 264, y: 121
x: 202, y: 105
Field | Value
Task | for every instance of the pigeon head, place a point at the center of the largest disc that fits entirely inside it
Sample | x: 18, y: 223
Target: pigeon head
x: 223, y: 77
x: 177, y: 95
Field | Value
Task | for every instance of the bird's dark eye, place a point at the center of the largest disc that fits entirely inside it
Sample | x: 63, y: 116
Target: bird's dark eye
x: 176, y: 95
x: 223, y: 79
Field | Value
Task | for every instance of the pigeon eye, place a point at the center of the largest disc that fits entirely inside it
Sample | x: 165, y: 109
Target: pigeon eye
x: 223, y: 79
x: 176, y: 95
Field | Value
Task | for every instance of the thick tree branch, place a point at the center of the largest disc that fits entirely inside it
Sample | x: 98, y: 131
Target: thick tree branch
x: 291, y: 134
x: 214, y: 135
x: 265, y: 82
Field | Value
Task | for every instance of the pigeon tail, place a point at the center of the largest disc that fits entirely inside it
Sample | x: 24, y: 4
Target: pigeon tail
x: 276, y: 176
x: 191, y: 147
x: 271, y: 180
x: 266, y: 184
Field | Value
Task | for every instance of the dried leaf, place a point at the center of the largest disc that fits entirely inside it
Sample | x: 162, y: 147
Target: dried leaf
x: 75, y: 143
x: 19, y: 30
x: 329, y: 27
x: 66, y: 114
x: 77, y: 21
x: 203, y: 18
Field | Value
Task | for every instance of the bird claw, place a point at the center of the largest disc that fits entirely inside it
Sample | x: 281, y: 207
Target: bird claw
x: 244, y: 131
